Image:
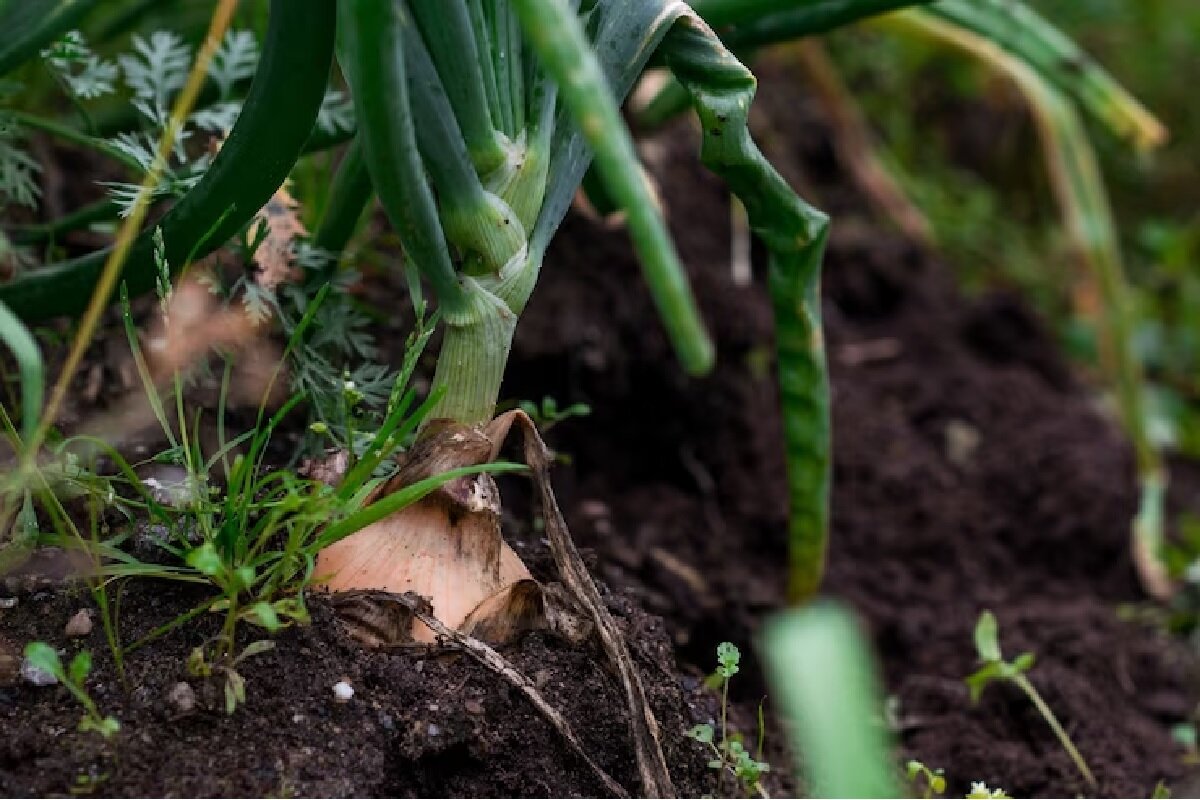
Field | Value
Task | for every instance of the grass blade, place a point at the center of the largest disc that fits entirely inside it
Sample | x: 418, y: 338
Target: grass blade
x: 29, y: 364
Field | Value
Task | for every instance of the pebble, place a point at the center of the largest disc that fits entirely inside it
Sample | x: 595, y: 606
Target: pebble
x: 473, y: 706
x: 79, y: 625
x: 342, y: 692
x: 962, y: 440
x: 433, y: 729
x: 8, y: 602
x: 182, y: 697
x: 36, y: 675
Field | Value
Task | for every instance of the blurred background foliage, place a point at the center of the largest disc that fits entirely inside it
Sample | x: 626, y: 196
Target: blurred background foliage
x: 961, y: 144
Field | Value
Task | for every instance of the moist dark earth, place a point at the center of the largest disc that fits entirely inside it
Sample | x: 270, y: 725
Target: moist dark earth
x: 972, y: 471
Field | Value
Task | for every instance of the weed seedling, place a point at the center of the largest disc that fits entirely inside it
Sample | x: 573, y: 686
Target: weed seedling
x: 548, y: 414
x: 934, y: 780
x: 731, y: 756
x: 45, y: 658
x: 987, y: 645
x: 935, y: 783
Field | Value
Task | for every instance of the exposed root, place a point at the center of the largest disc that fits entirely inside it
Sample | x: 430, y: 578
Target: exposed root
x: 483, y: 653
x: 652, y: 764
x: 447, y: 549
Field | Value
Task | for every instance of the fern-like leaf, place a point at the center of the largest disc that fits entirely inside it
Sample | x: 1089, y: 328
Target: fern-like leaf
x: 82, y: 72
x: 337, y: 112
x: 235, y: 59
x: 18, y: 172
x: 155, y: 71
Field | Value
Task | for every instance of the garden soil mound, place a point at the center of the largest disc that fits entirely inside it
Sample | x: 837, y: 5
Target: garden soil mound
x: 420, y: 723
x: 972, y: 471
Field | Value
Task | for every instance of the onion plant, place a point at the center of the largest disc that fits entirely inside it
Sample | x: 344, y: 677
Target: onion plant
x: 476, y: 123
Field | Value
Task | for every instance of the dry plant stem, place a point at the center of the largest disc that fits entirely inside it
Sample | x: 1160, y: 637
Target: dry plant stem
x: 1036, y: 698
x: 488, y: 657
x: 652, y: 764
x: 854, y: 143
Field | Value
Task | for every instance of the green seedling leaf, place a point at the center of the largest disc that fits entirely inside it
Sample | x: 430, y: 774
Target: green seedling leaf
x: 235, y: 690
x: 935, y: 780
x: 293, y: 608
x: 1022, y: 663
x: 45, y: 658
x: 263, y: 614
x: 197, y: 665
x: 243, y: 578
x: 702, y: 733
x: 106, y: 727
x: 206, y: 560
x: 728, y: 657
x: 255, y: 648
x: 979, y: 681
x: 81, y: 666
x: 987, y: 637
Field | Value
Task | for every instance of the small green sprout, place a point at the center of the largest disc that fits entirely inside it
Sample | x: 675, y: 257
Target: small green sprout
x: 934, y: 779
x: 987, y: 645
x: 549, y: 414
x: 200, y: 665
x: 45, y: 658
x: 731, y: 755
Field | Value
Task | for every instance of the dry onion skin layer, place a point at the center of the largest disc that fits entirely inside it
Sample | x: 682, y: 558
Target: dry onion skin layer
x: 446, y: 547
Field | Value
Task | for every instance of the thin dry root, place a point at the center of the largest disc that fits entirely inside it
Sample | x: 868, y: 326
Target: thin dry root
x: 652, y: 765
x: 480, y: 651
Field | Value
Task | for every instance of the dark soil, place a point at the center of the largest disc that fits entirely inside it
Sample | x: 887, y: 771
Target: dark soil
x: 420, y: 723
x: 972, y: 471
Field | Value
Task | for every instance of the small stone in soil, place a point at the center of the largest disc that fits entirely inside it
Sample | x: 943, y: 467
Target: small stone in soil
x: 79, y: 625
x: 36, y: 675
x: 8, y: 602
x: 342, y: 692
x: 182, y: 697
x: 473, y: 707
